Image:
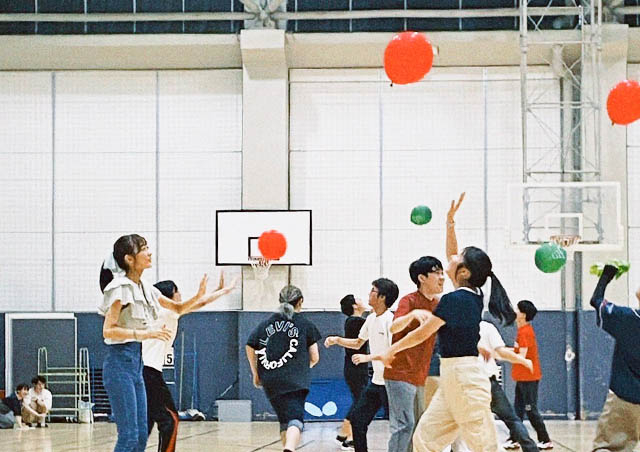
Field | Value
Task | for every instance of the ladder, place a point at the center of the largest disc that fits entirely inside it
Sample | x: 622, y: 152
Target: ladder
x: 68, y: 384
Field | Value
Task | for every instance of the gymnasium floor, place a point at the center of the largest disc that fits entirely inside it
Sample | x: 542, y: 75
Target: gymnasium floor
x: 241, y: 437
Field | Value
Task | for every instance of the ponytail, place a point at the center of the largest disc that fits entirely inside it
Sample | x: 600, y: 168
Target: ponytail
x: 106, y: 276
x: 499, y: 304
x: 286, y: 309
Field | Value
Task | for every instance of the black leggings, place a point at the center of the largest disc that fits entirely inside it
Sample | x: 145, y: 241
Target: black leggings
x: 160, y: 409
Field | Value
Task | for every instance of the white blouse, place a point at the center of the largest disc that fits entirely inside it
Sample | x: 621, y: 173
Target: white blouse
x: 140, y: 305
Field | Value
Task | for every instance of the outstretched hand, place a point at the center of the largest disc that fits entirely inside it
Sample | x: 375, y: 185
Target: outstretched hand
x: 454, y: 208
x: 230, y: 287
x: 202, y: 289
x: 386, y: 358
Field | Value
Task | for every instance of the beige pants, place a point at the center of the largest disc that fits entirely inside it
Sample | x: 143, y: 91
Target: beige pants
x: 461, y: 407
x: 29, y: 418
x: 618, y: 426
x: 430, y: 388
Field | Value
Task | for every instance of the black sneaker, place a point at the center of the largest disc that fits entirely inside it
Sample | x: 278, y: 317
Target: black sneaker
x: 341, y: 439
x: 347, y: 445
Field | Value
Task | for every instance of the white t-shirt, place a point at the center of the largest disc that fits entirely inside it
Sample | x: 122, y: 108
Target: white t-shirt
x: 376, y: 330
x: 44, y: 397
x: 154, y: 350
x: 490, y: 339
x: 139, y: 304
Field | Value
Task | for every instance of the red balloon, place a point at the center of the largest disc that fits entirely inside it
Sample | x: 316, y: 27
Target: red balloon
x: 272, y: 244
x: 623, y: 103
x: 408, y: 57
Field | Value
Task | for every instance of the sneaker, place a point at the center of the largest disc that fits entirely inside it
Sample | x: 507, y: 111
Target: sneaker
x: 341, y: 439
x: 348, y: 445
x: 545, y: 445
x: 511, y: 444
x: 42, y: 426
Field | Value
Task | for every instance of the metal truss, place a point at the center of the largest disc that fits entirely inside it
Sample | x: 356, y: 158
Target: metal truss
x: 561, y: 117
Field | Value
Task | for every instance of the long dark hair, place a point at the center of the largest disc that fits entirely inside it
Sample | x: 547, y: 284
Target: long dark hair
x: 127, y: 244
x: 480, y: 267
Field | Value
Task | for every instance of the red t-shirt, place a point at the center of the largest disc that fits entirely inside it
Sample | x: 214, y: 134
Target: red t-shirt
x: 527, y: 338
x: 412, y: 365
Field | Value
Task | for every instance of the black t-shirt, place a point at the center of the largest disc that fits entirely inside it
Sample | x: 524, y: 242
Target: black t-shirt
x: 282, y: 349
x: 462, y: 312
x: 14, y: 404
x: 351, y: 331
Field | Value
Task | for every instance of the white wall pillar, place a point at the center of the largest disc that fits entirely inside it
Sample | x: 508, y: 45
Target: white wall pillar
x: 615, y: 45
x: 265, y: 145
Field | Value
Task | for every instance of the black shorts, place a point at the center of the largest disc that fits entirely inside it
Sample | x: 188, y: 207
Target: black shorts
x: 289, y: 408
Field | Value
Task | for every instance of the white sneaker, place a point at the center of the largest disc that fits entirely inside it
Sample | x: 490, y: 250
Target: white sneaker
x: 347, y: 445
x: 511, y: 445
x: 545, y: 446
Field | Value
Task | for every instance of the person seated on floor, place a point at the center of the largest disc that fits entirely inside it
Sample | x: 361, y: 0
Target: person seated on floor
x: 37, y: 404
x: 11, y: 408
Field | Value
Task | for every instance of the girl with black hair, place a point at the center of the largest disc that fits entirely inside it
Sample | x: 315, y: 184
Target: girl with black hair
x: 462, y: 405
x: 130, y: 308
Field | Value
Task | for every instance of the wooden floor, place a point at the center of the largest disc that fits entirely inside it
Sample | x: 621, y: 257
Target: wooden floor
x: 243, y: 437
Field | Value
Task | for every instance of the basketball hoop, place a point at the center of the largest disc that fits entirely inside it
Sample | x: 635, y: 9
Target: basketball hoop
x: 260, y: 267
x: 565, y: 240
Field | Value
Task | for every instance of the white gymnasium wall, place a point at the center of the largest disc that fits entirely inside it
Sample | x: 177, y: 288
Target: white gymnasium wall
x: 25, y: 190
x: 133, y: 151
x: 633, y: 196
x: 364, y: 153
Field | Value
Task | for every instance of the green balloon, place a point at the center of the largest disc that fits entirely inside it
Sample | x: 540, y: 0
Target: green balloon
x: 550, y: 258
x: 420, y: 215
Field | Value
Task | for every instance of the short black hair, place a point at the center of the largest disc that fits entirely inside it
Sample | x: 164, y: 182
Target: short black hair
x: 167, y: 288
x: 22, y: 386
x: 423, y: 266
x: 346, y: 304
x: 528, y: 309
x: 38, y: 378
x: 387, y: 289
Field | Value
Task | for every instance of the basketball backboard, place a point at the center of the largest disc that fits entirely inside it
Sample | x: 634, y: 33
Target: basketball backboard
x: 590, y: 210
x: 237, y: 233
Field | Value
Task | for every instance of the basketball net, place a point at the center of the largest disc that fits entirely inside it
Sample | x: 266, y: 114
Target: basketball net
x: 566, y: 241
x: 261, y: 268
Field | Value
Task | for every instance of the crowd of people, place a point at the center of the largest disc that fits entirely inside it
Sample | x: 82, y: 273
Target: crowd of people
x: 433, y: 359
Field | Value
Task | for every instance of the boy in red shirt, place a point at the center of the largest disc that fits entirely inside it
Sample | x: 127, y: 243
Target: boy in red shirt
x: 526, y: 381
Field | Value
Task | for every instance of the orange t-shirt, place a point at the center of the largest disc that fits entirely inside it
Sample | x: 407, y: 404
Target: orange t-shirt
x: 412, y: 365
x: 527, y: 338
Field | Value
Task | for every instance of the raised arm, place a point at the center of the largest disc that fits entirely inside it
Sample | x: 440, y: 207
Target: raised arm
x: 608, y: 272
x: 220, y: 291
x: 184, y: 307
x: 452, y: 241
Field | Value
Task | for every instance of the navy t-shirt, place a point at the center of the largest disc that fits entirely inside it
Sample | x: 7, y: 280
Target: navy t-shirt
x: 14, y: 404
x: 462, y: 312
x: 282, y: 349
x: 623, y: 324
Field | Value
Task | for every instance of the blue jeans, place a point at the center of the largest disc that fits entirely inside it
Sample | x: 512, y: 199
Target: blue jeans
x: 122, y: 375
x: 406, y: 405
